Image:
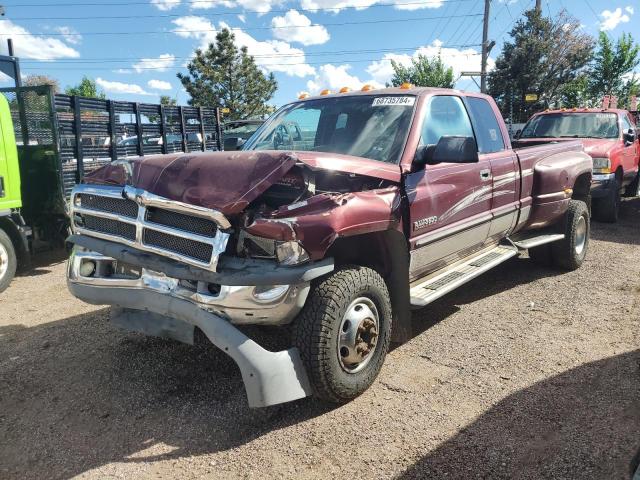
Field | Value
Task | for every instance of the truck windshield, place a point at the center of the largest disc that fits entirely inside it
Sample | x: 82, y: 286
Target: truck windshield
x: 572, y: 125
x: 369, y: 126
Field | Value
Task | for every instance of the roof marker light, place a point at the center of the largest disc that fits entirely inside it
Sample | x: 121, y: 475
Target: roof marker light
x: 406, y: 86
x: 345, y: 90
x: 303, y: 95
x: 326, y: 91
x: 366, y: 88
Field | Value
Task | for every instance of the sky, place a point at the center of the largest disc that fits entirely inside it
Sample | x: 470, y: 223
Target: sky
x: 135, y: 48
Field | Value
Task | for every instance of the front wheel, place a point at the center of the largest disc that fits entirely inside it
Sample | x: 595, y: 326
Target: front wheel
x: 8, y: 261
x: 569, y: 253
x: 343, y: 333
x: 607, y: 209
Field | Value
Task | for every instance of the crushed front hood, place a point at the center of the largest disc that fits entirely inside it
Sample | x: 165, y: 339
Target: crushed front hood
x: 224, y: 181
x: 227, y: 181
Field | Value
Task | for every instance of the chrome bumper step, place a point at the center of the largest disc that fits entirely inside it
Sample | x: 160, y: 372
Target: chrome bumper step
x: 423, y: 292
x: 525, y: 242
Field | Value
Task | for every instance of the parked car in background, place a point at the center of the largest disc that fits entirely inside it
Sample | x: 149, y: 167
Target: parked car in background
x: 237, y: 132
x: 609, y: 136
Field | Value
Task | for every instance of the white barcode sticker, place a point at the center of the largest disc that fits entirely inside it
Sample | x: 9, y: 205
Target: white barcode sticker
x: 393, y: 101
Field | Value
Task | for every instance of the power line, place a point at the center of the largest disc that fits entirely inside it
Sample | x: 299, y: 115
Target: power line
x: 156, y: 32
x: 162, y: 68
x: 273, y: 55
x: 239, y: 12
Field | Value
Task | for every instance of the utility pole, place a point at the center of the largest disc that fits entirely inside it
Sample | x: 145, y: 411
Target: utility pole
x: 485, y: 47
x: 539, y: 5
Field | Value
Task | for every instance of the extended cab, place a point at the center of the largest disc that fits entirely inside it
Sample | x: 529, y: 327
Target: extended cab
x: 609, y: 136
x: 340, y: 214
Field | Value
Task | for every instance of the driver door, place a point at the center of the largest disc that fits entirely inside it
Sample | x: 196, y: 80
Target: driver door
x: 449, y: 203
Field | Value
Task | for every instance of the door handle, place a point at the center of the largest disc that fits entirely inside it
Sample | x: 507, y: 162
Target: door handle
x: 1, y: 186
x: 485, y: 175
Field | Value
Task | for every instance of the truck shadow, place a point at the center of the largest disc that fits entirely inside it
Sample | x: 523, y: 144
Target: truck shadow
x: 626, y: 230
x: 42, y: 260
x: 78, y: 394
x: 582, y: 423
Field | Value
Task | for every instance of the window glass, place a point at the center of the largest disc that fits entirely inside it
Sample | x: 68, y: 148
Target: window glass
x: 626, y: 124
x: 368, y: 126
x: 572, y: 125
x: 486, y: 125
x: 446, y: 116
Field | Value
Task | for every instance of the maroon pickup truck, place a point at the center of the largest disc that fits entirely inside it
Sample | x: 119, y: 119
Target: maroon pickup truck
x: 341, y: 214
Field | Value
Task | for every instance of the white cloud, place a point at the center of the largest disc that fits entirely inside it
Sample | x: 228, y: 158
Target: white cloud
x: 334, y: 77
x: 119, y: 87
x: 5, y: 79
x: 242, y: 18
x: 629, y: 9
x: 165, y: 5
x: 159, y: 84
x: 259, y: 6
x: 36, y: 47
x: 460, y: 60
x: 122, y: 70
x: 270, y: 55
x: 69, y: 34
x: 295, y: 27
x: 273, y: 55
x: 610, y: 20
x: 160, y: 64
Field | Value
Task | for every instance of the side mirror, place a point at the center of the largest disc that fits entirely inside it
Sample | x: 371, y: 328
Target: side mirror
x: 629, y: 136
x: 454, y: 150
x: 517, y: 134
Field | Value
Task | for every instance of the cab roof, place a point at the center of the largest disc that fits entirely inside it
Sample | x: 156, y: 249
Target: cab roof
x: 617, y: 111
x: 414, y: 91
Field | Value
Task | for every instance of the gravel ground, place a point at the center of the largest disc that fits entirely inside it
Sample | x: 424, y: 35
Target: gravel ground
x: 524, y: 373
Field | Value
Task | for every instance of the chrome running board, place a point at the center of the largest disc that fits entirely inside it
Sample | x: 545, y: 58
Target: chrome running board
x: 535, y: 240
x: 423, y: 292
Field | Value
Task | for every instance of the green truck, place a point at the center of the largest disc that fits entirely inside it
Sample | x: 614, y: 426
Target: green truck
x: 49, y: 141
x: 14, y: 234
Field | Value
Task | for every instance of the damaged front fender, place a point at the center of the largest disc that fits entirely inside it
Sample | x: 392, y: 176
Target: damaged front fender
x: 317, y: 222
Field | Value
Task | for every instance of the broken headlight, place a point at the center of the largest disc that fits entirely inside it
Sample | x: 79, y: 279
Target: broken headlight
x: 286, y: 253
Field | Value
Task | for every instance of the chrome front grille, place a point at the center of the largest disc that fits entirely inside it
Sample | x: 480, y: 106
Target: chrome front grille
x: 187, y: 233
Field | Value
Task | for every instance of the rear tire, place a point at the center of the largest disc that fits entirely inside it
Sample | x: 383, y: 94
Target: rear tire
x: 8, y: 261
x: 569, y: 254
x: 607, y: 209
x: 343, y: 333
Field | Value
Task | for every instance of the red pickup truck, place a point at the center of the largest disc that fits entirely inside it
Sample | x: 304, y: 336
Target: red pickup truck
x: 339, y: 215
x: 609, y: 136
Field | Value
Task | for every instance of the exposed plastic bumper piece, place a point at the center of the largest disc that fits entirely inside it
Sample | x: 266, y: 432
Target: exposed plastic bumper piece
x: 270, y: 378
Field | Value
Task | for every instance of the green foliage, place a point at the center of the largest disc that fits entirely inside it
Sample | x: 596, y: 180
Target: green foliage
x: 226, y: 76
x: 36, y: 80
x: 612, y: 67
x: 423, y: 72
x: 86, y: 88
x: 543, y: 57
x: 167, y: 100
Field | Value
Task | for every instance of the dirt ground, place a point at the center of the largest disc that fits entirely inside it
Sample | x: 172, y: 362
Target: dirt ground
x: 523, y: 373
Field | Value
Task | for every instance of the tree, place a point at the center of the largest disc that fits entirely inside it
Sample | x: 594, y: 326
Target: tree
x: 35, y: 80
x: 543, y: 56
x: 167, y: 100
x: 226, y: 76
x: 86, y: 88
x: 423, y: 72
x: 611, y: 71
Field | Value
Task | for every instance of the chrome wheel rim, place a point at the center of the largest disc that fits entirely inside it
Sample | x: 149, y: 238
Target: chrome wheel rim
x: 581, y: 235
x: 4, y: 261
x: 358, y: 335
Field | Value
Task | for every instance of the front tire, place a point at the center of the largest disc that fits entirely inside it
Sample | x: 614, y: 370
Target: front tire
x: 569, y: 253
x: 8, y: 261
x: 343, y: 333
x: 607, y: 209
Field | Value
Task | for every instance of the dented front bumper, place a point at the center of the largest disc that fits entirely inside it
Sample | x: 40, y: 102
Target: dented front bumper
x: 152, y: 301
